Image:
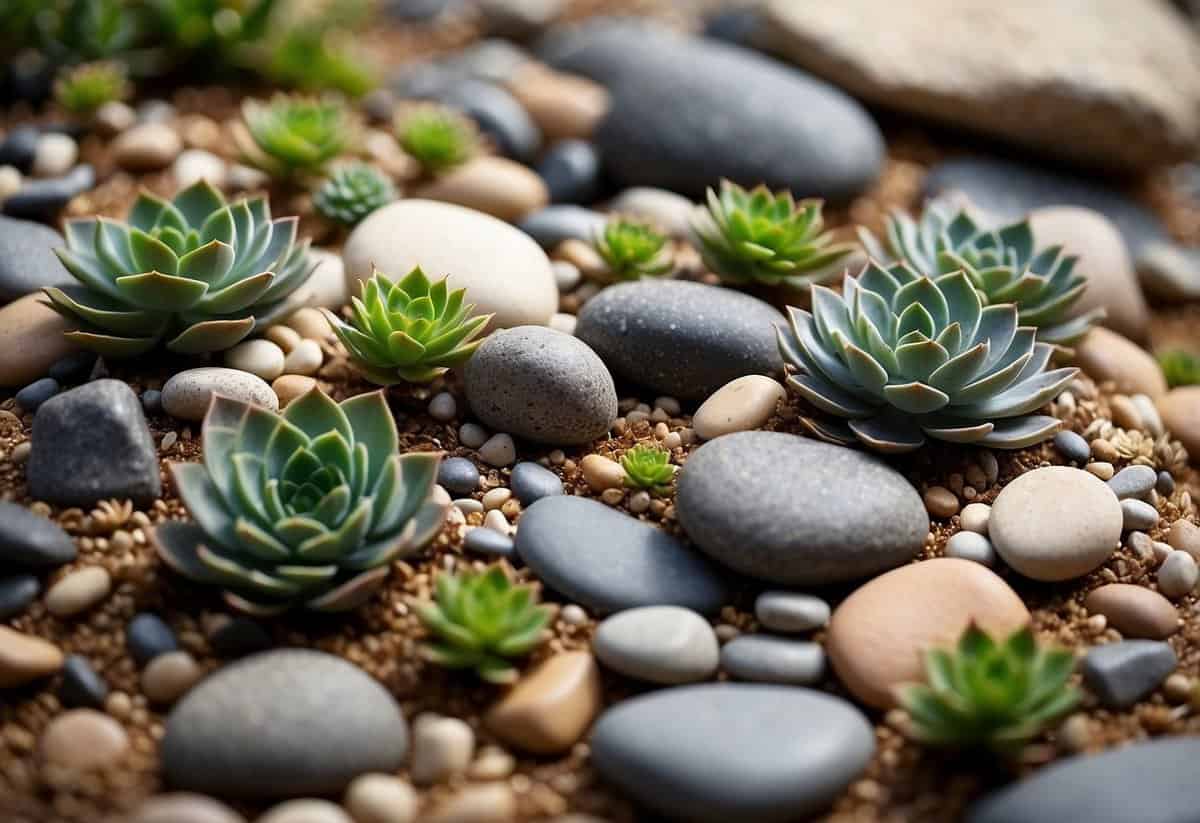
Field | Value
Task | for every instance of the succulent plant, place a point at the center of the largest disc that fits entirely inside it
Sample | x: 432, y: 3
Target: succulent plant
x: 633, y: 250
x: 87, y: 87
x: 648, y: 467
x: 307, y: 507
x: 195, y: 271
x: 758, y: 236
x: 1004, y: 264
x: 1179, y: 367
x: 903, y: 356
x: 438, y: 138
x: 480, y: 620
x: 292, y: 134
x: 984, y: 693
x: 411, y: 331
x: 352, y: 192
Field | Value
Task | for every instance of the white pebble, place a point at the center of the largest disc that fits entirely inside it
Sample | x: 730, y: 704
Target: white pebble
x: 566, y: 275
x: 468, y: 505
x: 194, y: 165
x: 243, y: 178
x: 114, y: 117
x: 1149, y: 414
x: 54, y: 155
x: 306, y: 358
x: 970, y: 545
x: 562, y: 322
x: 573, y: 615
x: 305, y: 810
x: 187, y: 394
x: 381, y: 798
x: 259, y: 357
x: 499, y: 450
x: 440, y: 495
x: 442, y: 748
x: 1138, y: 514
x: 974, y: 517
x: 1177, y: 575
x: 10, y: 182
x: 285, y: 337
x: 472, y: 435
x: 495, y: 498
x: 496, y: 521
x: 443, y: 407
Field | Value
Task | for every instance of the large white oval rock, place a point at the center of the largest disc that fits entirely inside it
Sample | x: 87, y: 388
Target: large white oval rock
x: 503, y: 270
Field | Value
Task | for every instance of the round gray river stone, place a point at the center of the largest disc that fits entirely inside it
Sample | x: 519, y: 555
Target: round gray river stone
x: 679, y: 338
x: 27, y: 259
x: 1152, y: 782
x: 791, y: 510
x: 30, y: 541
x: 661, y: 644
x: 281, y: 724
x: 609, y: 561
x: 716, y: 753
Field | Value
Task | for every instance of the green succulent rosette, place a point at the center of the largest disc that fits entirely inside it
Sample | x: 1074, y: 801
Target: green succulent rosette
x: 633, y: 250
x: 194, y: 273
x: 303, y: 508
x: 290, y: 134
x: 353, y: 192
x: 648, y: 467
x: 898, y: 357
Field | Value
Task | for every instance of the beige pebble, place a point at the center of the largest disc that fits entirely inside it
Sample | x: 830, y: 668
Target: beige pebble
x: 562, y: 105
x: 940, y: 502
x: 83, y: 739
x: 259, y: 357
x: 549, y: 709
x: 310, y: 324
x: 583, y: 256
x: 305, y: 810
x: 24, y: 658
x: 1185, y: 536
x: 1106, y: 355
x: 740, y: 405
x: 497, y: 522
x: 1104, y: 451
x: 1134, y: 611
x: 381, y: 798
x: 639, y: 501
x: 31, y: 338
x: 573, y: 615
x: 1151, y: 420
x: 495, y: 498
x: 493, y: 185
x: 1104, y: 471
x: 482, y: 803
x: 114, y: 117
x: 1178, y: 574
x: 146, y: 147
x: 1177, y: 687
x: 442, y: 748
x: 601, y: 473
x: 305, y: 359
x: 54, y: 155
x: 78, y: 591
x: 185, y: 807
x: 290, y: 386
x: 187, y: 394
x: 499, y: 450
x: 10, y: 182
x: 1124, y: 412
x: 974, y: 517
x: 564, y: 323
x: 493, y: 763
x: 285, y: 337
x: 612, y: 497
x: 1075, y: 732
x: 168, y: 677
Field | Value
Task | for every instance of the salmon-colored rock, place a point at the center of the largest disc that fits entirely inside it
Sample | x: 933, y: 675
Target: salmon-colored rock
x: 31, y: 340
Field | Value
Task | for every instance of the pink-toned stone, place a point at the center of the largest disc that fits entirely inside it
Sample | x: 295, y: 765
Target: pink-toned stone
x: 1106, y: 355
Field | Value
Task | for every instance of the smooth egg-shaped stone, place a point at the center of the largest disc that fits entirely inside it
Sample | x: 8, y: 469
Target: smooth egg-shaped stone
x: 187, y: 394
x: 659, y: 644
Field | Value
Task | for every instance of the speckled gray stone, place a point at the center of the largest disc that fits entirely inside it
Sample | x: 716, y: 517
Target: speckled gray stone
x: 1121, y: 674
x: 27, y: 259
x: 609, y: 561
x: 531, y: 482
x: 794, y: 511
x: 1133, y: 481
x: 766, y: 659
x: 30, y: 541
x: 716, y: 753
x: 679, y: 338
x: 541, y: 384
x: 284, y: 723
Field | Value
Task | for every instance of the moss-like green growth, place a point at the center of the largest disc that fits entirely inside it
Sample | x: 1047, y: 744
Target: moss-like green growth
x: 648, y: 467
x: 1181, y: 368
x: 83, y: 89
x: 633, y: 250
x: 480, y: 620
x: 437, y: 137
x: 988, y: 694
x: 291, y: 134
x: 352, y: 192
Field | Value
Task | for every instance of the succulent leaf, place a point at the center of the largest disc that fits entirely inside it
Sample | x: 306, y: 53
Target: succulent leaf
x: 291, y: 134
x: 86, y: 87
x: 437, y: 137
x: 648, y: 467
x: 352, y: 192
x: 633, y: 250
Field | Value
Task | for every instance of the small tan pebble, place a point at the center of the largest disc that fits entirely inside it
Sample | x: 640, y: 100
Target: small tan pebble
x: 573, y: 615
x: 1124, y: 413
x: 1142, y: 546
x: 549, y: 709
x: 54, y: 155
x: 468, y: 505
x: 185, y: 807
x: 726, y: 632
x: 495, y: 498
x: 1104, y: 471
x: 10, y: 182
x: 1161, y: 550
x: 472, y: 435
x: 584, y: 257
x: 83, y: 739
x: 24, y: 658
x: 305, y: 810
x: 499, y: 450
x: 558, y: 457
x: 259, y: 357
x: 285, y: 337
x: 601, y: 473
x: 639, y: 501
x: 167, y: 677
x: 119, y: 705
x: 563, y: 322
x: 497, y: 522
x: 1075, y: 733
x: 1178, y: 574
x: 168, y: 441
x: 440, y: 495
x: 1104, y: 451
x: 974, y: 517
x: 1151, y: 421
x: 612, y: 497
x: 1185, y: 536
x: 146, y: 147
x: 443, y: 407
x: 1096, y: 624
x: 20, y: 452
x: 740, y: 405
x: 290, y: 386
x: 481, y: 803
x: 1134, y: 611
x: 511, y: 508
x: 201, y: 132
x: 493, y: 763
x: 672, y: 441
x: 381, y: 798
x: 1177, y: 687
x: 305, y: 359
x: 114, y: 117
x: 442, y: 748
x: 78, y: 591
x: 940, y: 502
x: 310, y: 324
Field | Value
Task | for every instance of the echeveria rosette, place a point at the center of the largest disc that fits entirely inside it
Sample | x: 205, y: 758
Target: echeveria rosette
x: 1004, y: 264
x: 899, y: 356
x: 352, y: 192
x: 195, y: 272
x: 762, y: 237
x: 292, y: 134
x: 998, y: 695
x: 648, y: 467
x: 633, y: 250
x: 412, y: 331
x: 307, y: 507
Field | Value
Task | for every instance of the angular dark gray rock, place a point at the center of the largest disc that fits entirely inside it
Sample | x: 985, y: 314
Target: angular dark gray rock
x: 1122, y: 673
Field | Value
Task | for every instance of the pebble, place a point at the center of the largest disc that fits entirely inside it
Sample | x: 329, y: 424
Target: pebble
x: 496, y: 521
x: 1180, y: 410
x: 194, y: 165
x: 542, y: 385
x: 152, y: 401
x: 261, y: 358
x: 492, y: 185
x: 504, y: 271
x: 472, y: 435
x: 1164, y: 483
x: 27, y: 259
x: 30, y: 541
x: 499, y: 450
x: 790, y: 612
x: 554, y: 226
x: 571, y: 170
x: 443, y: 407
x: 83, y: 739
x: 1133, y: 481
x: 44, y: 199
x: 114, y: 117
x: 878, y: 633
x: 285, y: 337
x: 19, y: 147
x: 232, y: 735
x: 740, y: 405
x: 1138, y: 514
x: 495, y: 498
x: 1184, y: 535
x: 754, y: 527
x: 458, y: 475
x: 1134, y: 611
x: 290, y: 386
x: 489, y: 542
x: 381, y: 798
x: 16, y: 593
x: 566, y: 275
x: 238, y: 637
x: 442, y: 748
x: 31, y: 337
x: 187, y: 394
x: 940, y: 502
x: 482, y: 803
x: 766, y: 659
x: 608, y: 561
x: 564, y: 106
x: 55, y: 155
x: 530, y: 482
x: 601, y: 473
x: 1124, y: 413
x: 1072, y: 446
x: 24, y: 658
x: 81, y: 687
x: 310, y: 324
x: 78, y: 591
x: 548, y: 710
x: 305, y: 810
x: 658, y: 644
x: 10, y: 182
x: 974, y: 517
x: 1121, y: 674
x: 1102, y: 470
x: 969, y: 545
x: 1151, y: 420
x: 146, y: 147
x: 1106, y: 355
x: 1055, y: 523
x: 670, y: 211
x: 185, y: 807
x: 499, y: 116
x: 1177, y: 575
x: 305, y: 359
x: 708, y: 743
x: 679, y: 338
x: 169, y: 676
